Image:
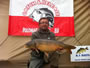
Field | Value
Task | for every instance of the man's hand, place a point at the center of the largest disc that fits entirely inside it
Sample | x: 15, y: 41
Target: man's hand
x: 35, y: 49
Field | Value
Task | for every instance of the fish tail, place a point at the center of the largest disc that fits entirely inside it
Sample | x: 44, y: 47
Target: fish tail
x: 69, y: 46
x: 86, y: 48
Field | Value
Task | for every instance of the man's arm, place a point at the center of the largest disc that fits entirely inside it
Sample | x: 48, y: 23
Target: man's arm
x: 34, y: 36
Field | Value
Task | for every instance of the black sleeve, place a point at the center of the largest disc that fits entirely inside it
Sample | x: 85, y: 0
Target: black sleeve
x: 34, y: 36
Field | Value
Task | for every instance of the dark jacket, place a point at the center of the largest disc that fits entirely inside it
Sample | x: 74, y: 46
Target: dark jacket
x: 40, y: 34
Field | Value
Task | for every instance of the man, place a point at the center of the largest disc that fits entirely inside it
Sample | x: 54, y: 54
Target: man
x: 37, y: 57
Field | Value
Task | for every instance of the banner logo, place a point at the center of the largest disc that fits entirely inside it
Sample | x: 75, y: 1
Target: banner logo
x: 40, y: 12
x: 43, y: 12
x: 81, y: 50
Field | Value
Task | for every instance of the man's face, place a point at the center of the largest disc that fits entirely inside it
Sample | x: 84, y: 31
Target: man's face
x: 44, y: 24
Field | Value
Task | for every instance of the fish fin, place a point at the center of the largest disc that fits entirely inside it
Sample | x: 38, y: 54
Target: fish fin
x: 69, y: 51
x: 46, y: 57
x: 46, y: 53
x: 61, y: 51
x: 36, y: 50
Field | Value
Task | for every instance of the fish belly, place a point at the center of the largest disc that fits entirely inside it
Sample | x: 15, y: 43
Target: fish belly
x: 48, y: 48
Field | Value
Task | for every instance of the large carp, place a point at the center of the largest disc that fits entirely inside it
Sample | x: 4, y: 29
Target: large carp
x: 49, y: 45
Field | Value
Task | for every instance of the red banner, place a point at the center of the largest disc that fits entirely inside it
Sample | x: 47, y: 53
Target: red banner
x: 18, y: 25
